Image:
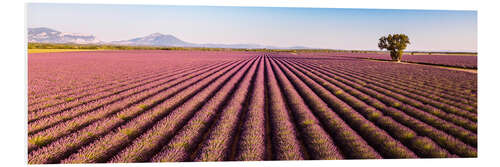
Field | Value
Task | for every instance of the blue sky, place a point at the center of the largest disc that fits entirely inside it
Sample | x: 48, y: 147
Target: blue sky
x: 312, y: 27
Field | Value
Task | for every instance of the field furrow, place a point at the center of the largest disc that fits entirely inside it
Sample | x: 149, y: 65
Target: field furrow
x: 183, y: 145
x: 189, y: 105
x: 252, y: 143
x: 396, y: 130
x: 390, y: 148
x: 154, y: 96
x: 452, y: 144
x: 85, y: 111
x: 95, y: 97
x: 416, y: 100
x: 69, y: 144
x: 319, y: 144
x: 78, y: 94
x: 51, y: 96
x: 285, y: 136
x: 217, y: 144
x: 455, y: 124
x: 453, y: 93
x: 185, y: 116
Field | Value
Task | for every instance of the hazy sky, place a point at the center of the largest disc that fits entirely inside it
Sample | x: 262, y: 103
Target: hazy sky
x: 311, y: 27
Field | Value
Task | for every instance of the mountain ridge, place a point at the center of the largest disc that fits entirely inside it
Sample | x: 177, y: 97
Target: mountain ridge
x: 48, y: 35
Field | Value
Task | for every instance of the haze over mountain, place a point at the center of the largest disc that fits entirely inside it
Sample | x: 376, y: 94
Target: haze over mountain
x: 155, y: 39
x: 47, y: 35
x: 158, y: 39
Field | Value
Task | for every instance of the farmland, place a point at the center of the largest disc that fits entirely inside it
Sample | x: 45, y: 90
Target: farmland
x: 468, y: 61
x: 177, y: 105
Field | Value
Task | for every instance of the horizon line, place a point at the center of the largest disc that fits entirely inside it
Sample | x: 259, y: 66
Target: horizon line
x: 279, y: 47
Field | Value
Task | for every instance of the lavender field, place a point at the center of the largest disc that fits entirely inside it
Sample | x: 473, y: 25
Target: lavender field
x: 164, y: 106
x: 450, y: 60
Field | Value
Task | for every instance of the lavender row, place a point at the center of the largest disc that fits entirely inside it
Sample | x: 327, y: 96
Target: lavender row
x: 49, y: 96
x: 252, y: 143
x: 285, y: 142
x: 435, y: 94
x: 463, y: 61
x: 65, y: 146
x: 41, y: 95
x: 454, y: 83
x: 183, y: 145
x: 459, y: 120
x: 152, y: 99
x: 411, y: 81
x: 222, y: 136
x: 451, y: 117
x: 87, y: 110
x: 404, y: 94
x: 95, y: 96
x: 60, y: 70
x: 429, y: 118
x: 39, y: 63
x: 398, y: 131
x: 388, y: 146
x: 442, y: 138
x: 103, y: 85
x: 318, y: 142
x: 458, y: 85
x: 150, y: 142
x: 112, y: 87
x: 353, y: 145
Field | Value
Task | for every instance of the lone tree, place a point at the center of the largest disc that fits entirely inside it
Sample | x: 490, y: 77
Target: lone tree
x: 395, y: 44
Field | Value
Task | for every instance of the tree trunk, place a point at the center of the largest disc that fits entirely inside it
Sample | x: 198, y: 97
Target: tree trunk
x: 396, y: 55
x: 399, y: 55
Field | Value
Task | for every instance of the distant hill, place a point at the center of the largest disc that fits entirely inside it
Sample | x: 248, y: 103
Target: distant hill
x: 158, y: 39
x: 47, y: 35
x: 155, y: 39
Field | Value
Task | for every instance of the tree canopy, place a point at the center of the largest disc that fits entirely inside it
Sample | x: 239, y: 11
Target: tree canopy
x: 395, y: 43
